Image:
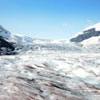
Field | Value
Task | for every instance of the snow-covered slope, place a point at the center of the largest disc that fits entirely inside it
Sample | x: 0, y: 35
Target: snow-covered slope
x: 91, y: 41
x: 4, y: 33
x: 95, y: 40
x: 87, y: 33
x: 13, y: 37
x: 96, y: 26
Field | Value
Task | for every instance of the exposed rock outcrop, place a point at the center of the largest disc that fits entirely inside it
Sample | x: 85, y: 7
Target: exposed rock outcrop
x: 5, y: 46
x: 86, y: 35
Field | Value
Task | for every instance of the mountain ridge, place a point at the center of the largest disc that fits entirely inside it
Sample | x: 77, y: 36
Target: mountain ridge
x: 87, y: 33
x: 13, y: 37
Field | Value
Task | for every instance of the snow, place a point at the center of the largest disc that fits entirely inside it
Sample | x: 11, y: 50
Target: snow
x: 46, y: 75
x: 96, y: 26
x: 91, y: 41
x: 50, y: 70
x: 18, y: 38
x: 14, y: 37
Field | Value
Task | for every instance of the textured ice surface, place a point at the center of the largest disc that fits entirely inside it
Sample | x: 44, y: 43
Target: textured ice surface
x: 45, y: 75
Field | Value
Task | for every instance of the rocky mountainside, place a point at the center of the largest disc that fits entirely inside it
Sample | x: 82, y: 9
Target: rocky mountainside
x: 91, y: 31
x: 6, y: 47
x: 13, y: 37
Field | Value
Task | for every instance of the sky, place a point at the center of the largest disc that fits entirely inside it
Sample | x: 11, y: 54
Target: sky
x: 48, y: 19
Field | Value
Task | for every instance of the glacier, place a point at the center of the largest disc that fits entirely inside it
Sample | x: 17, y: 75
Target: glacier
x: 47, y: 75
x: 50, y: 69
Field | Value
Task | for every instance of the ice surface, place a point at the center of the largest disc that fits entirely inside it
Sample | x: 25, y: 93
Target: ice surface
x: 50, y: 70
x: 45, y: 75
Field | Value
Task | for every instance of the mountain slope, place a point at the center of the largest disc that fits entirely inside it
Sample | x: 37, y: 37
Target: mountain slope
x: 9, y: 36
x: 89, y: 32
x: 18, y: 38
x: 6, y: 47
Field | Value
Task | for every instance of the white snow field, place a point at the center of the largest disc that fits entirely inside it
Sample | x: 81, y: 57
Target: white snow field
x: 50, y: 69
x: 50, y: 75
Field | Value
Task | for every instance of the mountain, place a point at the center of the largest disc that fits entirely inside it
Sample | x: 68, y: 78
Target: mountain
x: 13, y: 37
x: 6, y: 47
x: 18, y: 38
x: 90, y: 32
x: 8, y: 39
x: 25, y: 43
